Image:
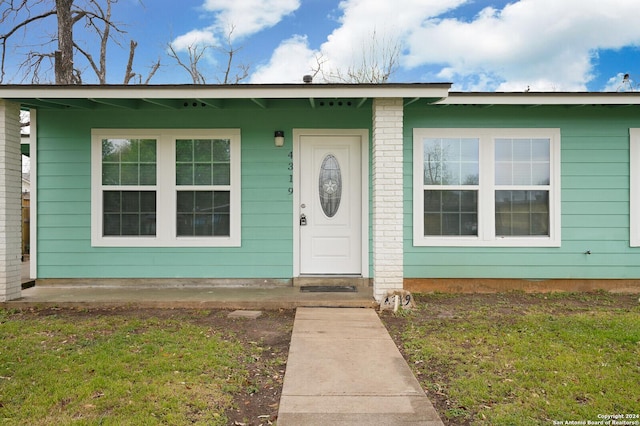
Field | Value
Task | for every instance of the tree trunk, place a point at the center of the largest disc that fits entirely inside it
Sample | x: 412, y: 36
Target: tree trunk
x: 64, y: 54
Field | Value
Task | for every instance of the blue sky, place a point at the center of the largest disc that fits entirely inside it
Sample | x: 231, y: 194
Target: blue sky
x: 478, y: 45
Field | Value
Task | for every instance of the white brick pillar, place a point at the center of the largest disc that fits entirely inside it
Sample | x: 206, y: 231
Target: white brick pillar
x: 387, y: 196
x: 10, y: 201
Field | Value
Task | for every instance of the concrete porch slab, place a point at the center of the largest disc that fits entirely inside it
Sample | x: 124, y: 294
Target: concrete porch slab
x: 253, y: 298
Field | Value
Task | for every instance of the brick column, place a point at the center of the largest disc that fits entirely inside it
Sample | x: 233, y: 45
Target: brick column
x: 387, y: 196
x: 10, y: 202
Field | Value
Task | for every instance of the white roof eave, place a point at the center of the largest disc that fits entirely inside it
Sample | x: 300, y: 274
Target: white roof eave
x: 240, y: 91
x: 542, y: 98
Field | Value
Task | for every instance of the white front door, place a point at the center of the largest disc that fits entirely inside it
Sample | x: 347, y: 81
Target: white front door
x: 330, y: 212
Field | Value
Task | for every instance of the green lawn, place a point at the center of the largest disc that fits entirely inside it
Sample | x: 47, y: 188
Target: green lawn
x: 58, y: 369
x: 519, y: 359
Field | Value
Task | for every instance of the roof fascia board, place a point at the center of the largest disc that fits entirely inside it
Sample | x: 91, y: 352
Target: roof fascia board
x: 539, y: 99
x: 240, y: 91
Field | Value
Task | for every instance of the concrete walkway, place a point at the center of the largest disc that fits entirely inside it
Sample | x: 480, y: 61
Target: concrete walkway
x: 344, y: 369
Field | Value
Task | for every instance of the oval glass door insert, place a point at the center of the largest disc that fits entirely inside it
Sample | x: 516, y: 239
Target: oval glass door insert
x: 330, y: 185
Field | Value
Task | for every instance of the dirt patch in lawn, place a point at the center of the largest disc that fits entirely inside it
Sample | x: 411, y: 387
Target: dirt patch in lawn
x: 257, y: 403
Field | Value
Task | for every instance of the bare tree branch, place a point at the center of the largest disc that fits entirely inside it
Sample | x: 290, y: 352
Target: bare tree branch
x: 128, y: 72
x: 96, y: 16
x: 195, y: 55
x: 154, y: 68
x: 12, y: 31
x: 196, y: 51
x: 34, y: 63
x: 229, y: 51
x: 378, y: 60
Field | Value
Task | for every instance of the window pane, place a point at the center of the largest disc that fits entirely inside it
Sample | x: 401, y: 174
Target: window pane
x: 147, y: 174
x: 185, y: 202
x: 147, y: 201
x: 129, y: 174
x: 469, y: 173
x: 503, y: 150
x: 221, y: 224
x: 147, y: 151
x: 221, y: 174
x: 522, y: 213
x: 184, y: 174
x: 130, y: 201
x: 184, y: 151
x: 202, y: 175
x: 111, y: 224
x: 185, y: 225
x: 521, y: 173
x: 204, y: 201
x: 111, y: 201
x: 129, y: 152
x: 540, y: 150
x: 111, y: 150
x: 221, y: 150
x: 469, y: 149
x: 522, y: 161
x: 203, y: 226
x: 110, y: 174
x: 202, y: 151
x: 129, y: 213
x: 222, y: 202
x: 540, y: 173
x: 130, y: 224
x: 450, y: 213
x: 522, y: 150
x: 203, y: 213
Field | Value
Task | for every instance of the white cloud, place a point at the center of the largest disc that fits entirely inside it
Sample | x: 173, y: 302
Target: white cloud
x: 236, y: 19
x: 289, y: 63
x: 391, y: 21
x: 544, y: 44
x: 194, y: 38
x: 248, y: 17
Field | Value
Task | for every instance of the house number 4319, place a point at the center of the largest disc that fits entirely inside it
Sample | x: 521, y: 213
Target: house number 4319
x: 290, y: 168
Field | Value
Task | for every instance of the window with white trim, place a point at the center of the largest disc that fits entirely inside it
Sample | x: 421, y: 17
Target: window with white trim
x: 634, y: 185
x: 486, y: 187
x: 166, y: 188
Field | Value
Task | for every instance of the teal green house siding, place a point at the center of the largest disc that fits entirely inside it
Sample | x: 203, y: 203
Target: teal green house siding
x: 64, y: 191
x: 595, y: 187
x: 594, y: 194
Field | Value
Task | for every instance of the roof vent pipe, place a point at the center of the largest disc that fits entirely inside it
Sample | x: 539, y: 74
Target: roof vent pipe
x: 307, y: 79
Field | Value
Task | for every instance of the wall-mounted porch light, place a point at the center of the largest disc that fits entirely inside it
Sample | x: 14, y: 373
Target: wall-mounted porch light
x: 278, y: 138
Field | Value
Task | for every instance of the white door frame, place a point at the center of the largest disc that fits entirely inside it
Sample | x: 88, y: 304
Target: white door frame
x: 364, y: 150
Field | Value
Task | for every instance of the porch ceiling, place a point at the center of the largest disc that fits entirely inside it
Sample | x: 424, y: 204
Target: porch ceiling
x: 216, y: 96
